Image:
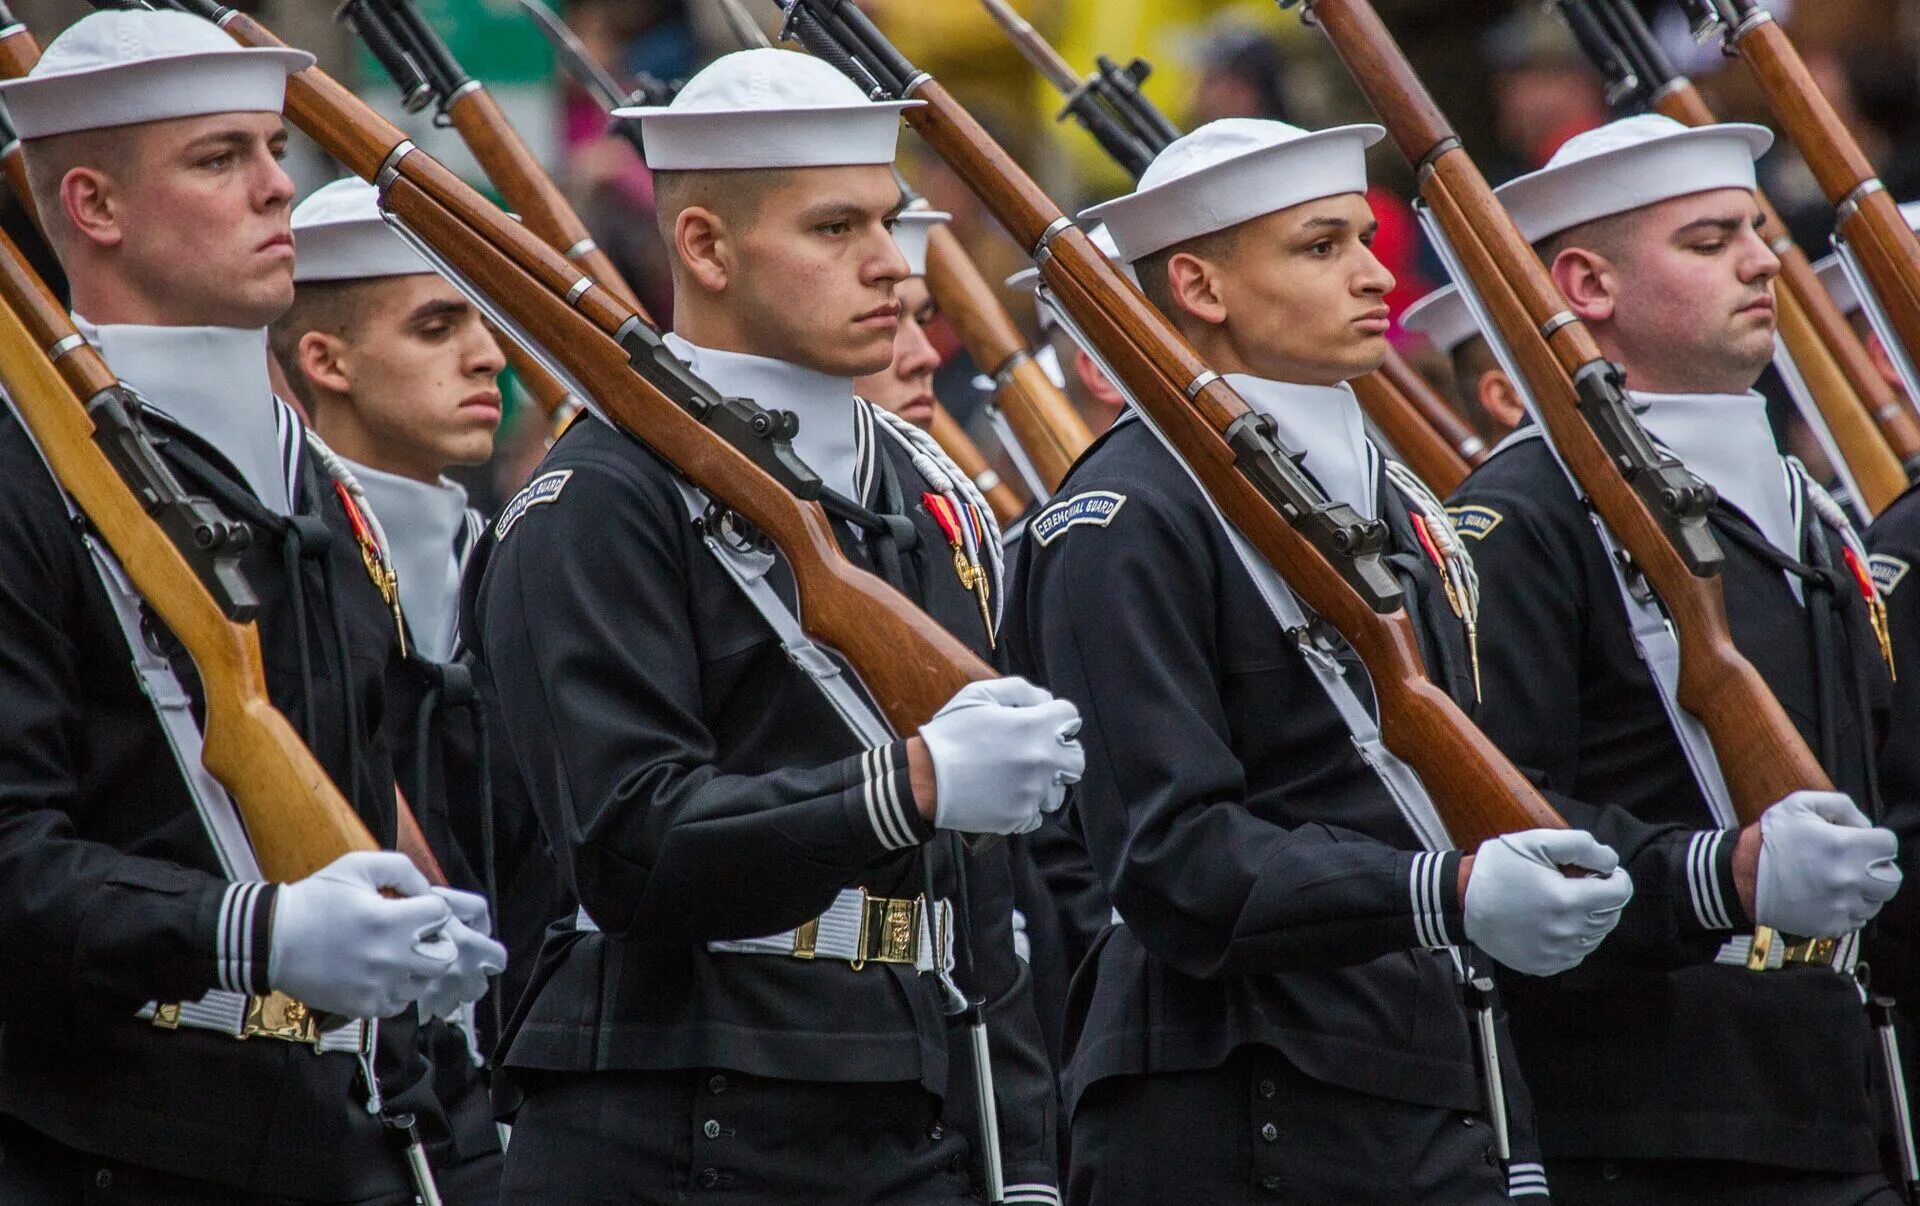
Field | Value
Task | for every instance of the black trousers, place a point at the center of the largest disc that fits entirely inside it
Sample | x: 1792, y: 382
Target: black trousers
x: 37, y: 1171
x: 1256, y: 1130
x: 1710, y: 1183
x: 594, y: 1139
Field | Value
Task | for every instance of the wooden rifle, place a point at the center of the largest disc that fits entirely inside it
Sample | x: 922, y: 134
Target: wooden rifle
x: 1435, y: 440
x: 19, y: 51
x: 732, y: 449
x: 1875, y: 433
x: 1652, y: 505
x: 1324, y: 550
x: 1868, y: 220
x: 183, y: 557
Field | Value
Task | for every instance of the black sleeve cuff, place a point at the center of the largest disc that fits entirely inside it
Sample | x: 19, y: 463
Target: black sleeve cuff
x: 1708, y: 867
x: 243, y: 940
x: 1433, y: 884
x: 881, y: 798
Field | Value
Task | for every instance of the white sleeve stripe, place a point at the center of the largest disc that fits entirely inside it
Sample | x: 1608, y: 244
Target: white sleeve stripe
x: 1429, y: 919
x: 1709, y: 906
x: 883, y: 800
x: 1037, y: 1195
x: 233, y: 952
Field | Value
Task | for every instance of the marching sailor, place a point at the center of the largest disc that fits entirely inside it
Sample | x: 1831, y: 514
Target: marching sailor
x: 1481, y: 388
x: 1277, y: 1010
x: 137, y: 939
x: 398, y: 375
x: 1663, y: 1069
x: 721, y: 1017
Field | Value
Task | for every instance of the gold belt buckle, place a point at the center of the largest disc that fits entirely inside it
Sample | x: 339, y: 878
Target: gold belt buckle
x: 279, y: 1016
x: 1812, y: 952
x: 889, y: 930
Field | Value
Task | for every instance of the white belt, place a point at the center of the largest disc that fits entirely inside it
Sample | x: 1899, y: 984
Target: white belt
x: 228, y: 1013
x: 859, y: 929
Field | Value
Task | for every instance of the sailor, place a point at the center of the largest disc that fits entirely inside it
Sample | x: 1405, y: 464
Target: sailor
x: 1481, y: 388
x: 138, y: 940
x: 1276, y: 1012
x: 1663, y: 1069
x: 1066, y: 362
x: 721, y: 1018
x: 905, y: 387
x: 399, y: 375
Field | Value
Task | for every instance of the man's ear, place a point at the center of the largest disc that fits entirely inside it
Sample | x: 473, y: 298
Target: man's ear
x: 1500, y: 400
x: 704, y: 244
x: 1194, y: 286
x: 92, y: 204
x: 1095, y: 382
x: 1586, y: 279
x: 323, y: 359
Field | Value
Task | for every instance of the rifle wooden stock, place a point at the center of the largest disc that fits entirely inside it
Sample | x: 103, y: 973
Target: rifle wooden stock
x: 548, y: 392
x: 1477, y: 792
x: 1868, y: 218
x: 297, y: 819
x: 909, y: 664
x: 1436, y: 412
x: 1875, y: 433
x: 1426, y: 452
x: 1050, y: 431
x: 511, y: 165
x: 19, y: 51
x: 1760, y: 751
x: 953, y: 439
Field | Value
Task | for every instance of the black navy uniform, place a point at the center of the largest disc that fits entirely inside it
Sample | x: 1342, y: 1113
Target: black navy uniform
x: 110, y: 891
x: 697, y: 787
x: 1650, y: 1053
x: 1270, y: 1017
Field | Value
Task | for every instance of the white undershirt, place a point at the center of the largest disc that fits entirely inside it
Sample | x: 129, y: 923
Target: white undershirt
x: 421, y: 521
x: 210, y: 380
x: 824, y: 403
x: 1325, y: 422
x: 1726, y: 441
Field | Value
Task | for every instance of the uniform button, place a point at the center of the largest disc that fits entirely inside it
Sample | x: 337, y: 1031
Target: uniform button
x: 1271, y: 1184
x: 709, y: 1177
x: 716, y: 1084
x: 710, y: 1128
x: 1268, y: 1088
x: 1270, y: 1132
x: 1467, y: 1121
x: 936, y: 1132
x: 103, y: 1179
x: 1492, y: 1157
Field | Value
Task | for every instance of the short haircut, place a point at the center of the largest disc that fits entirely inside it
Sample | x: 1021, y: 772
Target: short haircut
x: 330, y: 307
x: 735, y: 194
x: 1473, y: 359
x: 48, y: 160
x: 1152, y: 268
x: 1608, y: 237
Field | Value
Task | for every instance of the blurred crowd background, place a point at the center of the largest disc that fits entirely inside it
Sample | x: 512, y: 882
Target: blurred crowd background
x: 1505, y: 71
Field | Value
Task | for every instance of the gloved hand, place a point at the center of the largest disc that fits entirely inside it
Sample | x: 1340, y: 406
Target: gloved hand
x: 478, y: 956
x: 341, y: 947
x: 1524, y: 911
x: 1003, y: 752
x: 1824, y: 869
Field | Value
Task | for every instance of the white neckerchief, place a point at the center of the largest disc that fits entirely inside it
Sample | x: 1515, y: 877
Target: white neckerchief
x: 1323, y: 421
x: 422, y: 522
x: 827, y: 441
x: 213, y: 382
x: 1726, y: 441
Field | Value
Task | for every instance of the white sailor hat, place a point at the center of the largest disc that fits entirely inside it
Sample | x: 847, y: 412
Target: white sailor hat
x: 124, y: 66
x: 1027, y: 280
x: 768, y: 108
x: 1442, y: 316
x: 1834, y: 277
x: 1232, y: 171
x: 910, y: 230
x: 339, y: 235
x: 1628, y: 164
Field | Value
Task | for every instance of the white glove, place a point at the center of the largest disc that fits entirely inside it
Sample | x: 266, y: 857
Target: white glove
x: 1524, y: 911
x: 1824, y: 869
x: 342, y: 948
x: 478, y: 956
x: 1004, y: 752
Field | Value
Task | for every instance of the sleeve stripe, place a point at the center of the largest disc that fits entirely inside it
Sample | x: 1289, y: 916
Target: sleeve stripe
x: 880, y: 790
x: 233, y: 953
x: 1526, y: 1180
x: 1429, y: 917
x: 1031, y: 1195
x: 1709, y: 905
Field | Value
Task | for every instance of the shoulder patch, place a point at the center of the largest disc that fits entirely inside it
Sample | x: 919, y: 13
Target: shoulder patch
x: 543, y: 489
x: 1096, y: 507
x: 1888, y: 571
x: 1474, y: 520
